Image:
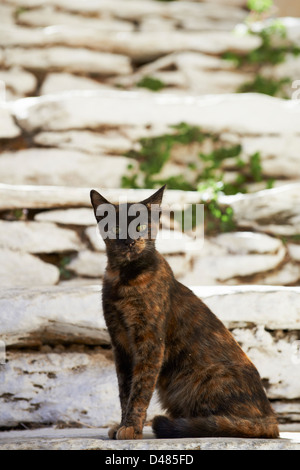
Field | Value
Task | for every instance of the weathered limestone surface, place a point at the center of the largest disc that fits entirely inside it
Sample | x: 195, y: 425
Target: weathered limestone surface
x: 86, y: 141
x: 67, y: 59
x: 69, y: 315
x: 48, y: 197
x: 228, y: 256
x: 273, y: 211
x: 19, y: 269
x: 245, y: 114
x: 84, y: 379
x: 64, y: 82
x: 8, y: 128
x: 136, y: 45
x: 33, y: 237
x: 96, y: 439
x: 18, y: 81
x: 80, y: 216
x: 236, y: 306
x: 61, y: 167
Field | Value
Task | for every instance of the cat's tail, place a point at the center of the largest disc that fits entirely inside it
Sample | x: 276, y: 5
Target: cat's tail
x: 215, y: 426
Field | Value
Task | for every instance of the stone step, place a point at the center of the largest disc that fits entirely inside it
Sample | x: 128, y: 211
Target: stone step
x: 80, y: 110
x: 96, y: 439
x: 47, y: 197
x: 273, y: 211
x: 36, y: 316
x: 136, y: 45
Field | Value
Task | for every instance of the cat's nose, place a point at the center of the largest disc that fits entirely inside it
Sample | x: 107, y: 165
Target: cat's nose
x: 130, y: 242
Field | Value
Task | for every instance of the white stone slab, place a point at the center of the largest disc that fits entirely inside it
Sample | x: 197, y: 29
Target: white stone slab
x: 88, y: 263
x: 8, y: 129
x: 62, y: 82
x: 62, y: 314
x: 241, y: 113
x: 294, y: 251
x: 85, y: 141
x: 46, y: 197
x: 96, y: 439
x: 19, y: 81
x: 38, y: 237
x: 48, y: 16
x: 74, y: 314
x: 229, y: 256
x: 67, y: 59
x: 62, y: 167
x: 279, y: 154
x: 81, y: 216
x: 139, y: 46
x: 24, y: 270
x: 81, y: 386
x: 273, y: 210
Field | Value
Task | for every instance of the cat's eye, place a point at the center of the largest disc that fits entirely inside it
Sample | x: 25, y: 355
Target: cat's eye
x: 116, y: 230
x: 141, y: 227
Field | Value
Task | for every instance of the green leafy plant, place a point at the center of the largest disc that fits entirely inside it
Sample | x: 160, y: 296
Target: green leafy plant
x: 151, y: 83
x: 273, y: 50
x: 260, y: 6
x: 218, y: 218
x: 267, y: 86
x: 155, y: 152
x: 65, y: 273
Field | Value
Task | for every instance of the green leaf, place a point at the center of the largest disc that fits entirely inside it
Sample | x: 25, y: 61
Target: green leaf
x: 151, y: 83
x: 259, y: 6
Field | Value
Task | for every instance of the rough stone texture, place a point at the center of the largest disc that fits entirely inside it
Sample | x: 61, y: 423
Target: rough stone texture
x: 64, y: 82
x: 239, y: 113
x: 76, y: 311
x: 8, y: 129
x: 273, y: 211
x: 62, y: 167
x: 47, y: 197
x: 24, y: 270
x: 73, y: 315
x: 81, y: 216
x: 195, y: 72
x: 69, y: 315
x: 228, y: 256
x: 34, y: 237
x: 96, y: 439
x: 271, y: 149
x: 67, y: 59
x: 111, y: 142
x: 19, y: 81
x: 48, y: 16
x: 69, y: 386
x: 88, y: 263
x: 139, y: 46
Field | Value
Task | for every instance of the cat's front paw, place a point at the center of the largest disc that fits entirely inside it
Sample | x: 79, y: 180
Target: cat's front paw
x: 112, y: 432
x: 128, y: 433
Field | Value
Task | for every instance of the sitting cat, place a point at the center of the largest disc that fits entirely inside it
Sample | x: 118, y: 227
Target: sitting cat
x: 165, y: 337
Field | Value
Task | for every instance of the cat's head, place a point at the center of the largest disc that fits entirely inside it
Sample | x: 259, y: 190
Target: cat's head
x: 129, y: 230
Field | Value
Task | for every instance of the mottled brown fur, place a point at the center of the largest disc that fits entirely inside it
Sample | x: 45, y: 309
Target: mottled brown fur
x: 165, y: 337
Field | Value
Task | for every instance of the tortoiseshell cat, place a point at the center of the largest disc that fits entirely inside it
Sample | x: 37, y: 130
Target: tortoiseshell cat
x: 165, y: 337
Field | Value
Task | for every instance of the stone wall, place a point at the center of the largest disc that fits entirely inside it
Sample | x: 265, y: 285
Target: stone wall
x: 59, y: 369
x: 73, y: 114
x: 53, y: 46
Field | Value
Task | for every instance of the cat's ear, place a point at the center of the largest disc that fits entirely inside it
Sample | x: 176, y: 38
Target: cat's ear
x: 97, y: 199
x: 156, y: 198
